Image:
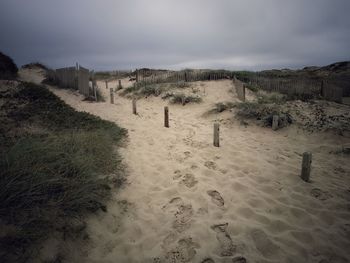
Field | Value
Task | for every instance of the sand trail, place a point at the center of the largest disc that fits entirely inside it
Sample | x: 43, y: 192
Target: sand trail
x: 187, y: 201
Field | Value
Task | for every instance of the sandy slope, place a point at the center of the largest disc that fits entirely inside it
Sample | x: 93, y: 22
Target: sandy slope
x: 187, y: 201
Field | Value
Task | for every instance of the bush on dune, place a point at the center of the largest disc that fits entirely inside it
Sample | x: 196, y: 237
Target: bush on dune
x: 49, y: 181
x: 8, y: 69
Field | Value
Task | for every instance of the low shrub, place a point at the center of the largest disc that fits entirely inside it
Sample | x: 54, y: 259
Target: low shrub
x: 181, y: 98
x: 52, y: 178
x: 8, y: 69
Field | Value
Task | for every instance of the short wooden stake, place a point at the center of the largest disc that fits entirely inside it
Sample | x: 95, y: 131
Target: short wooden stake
x: 106, y: 84
x: 137, y: 76
x: 306, y: 166
x: 112, y: 95
x: 95, y: 90
x: 166, y: 117
x: 216, y: 135
x: 275, y: 122
x: 119, y: 84
x: 134, y: 107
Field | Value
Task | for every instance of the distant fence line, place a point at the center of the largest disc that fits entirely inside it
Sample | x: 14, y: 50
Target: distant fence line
x: 300, y: 87
x: 77, y: 78
x: 149, y: 77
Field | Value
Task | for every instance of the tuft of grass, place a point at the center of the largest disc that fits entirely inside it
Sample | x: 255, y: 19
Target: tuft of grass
x: 263, y: 113
x: 222, y: 106
x: 150, y: 90
x: 270, y: 97
x: 51, y: 180
x: 181, y: 98
x: 254, y: 88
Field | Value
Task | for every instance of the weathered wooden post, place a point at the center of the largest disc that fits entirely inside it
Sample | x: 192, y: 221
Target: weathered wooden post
x: 216, y: 135
x: 134, y: 111
x: 106, y: 84
x: 119, y: 84
x: 111, y: 95
x: 243, y: 92
x: 275, y: 122
x: 306, y: 166
x: 94, y: 85
x: 137, y: 75
x: 166, y: 117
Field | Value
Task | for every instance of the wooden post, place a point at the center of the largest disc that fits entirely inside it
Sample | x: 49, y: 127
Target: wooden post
x: 119, y: 84
x: 94, y: 85
x: 216, y: 135
x: 243, y: 91
x: 137, y: 75
x: 134, y: 106
x: 106, y: 84
x: 275, y: 122
x: 166, y: 117
x: 306, y: 166
x: 112, y: 95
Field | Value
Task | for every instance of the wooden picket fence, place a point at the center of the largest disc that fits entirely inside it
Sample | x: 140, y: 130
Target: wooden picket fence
x: 300, y: 87
x: 77, y: 78
x: 151, y: 77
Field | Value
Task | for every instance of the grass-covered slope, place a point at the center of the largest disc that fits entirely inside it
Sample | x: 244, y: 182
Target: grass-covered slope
x: 56, y: 166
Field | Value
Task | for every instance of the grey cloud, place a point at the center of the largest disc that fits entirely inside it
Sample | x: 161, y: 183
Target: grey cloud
x: 251, y: 34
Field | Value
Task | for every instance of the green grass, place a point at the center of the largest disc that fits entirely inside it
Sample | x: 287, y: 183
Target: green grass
x: 263, y: 113
x: 50, y: 180
x: 270, y: 97
x: 181, y: 98
x: 222, y: 106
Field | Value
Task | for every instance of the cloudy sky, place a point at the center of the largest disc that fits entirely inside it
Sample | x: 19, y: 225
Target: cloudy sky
x: 231, y: 34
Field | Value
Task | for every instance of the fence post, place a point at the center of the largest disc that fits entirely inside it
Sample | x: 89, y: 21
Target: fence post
x: 166, y: 117
x: 134, y: 111
x: 275, y: 122
x: 112, y: 95
x: 106, y: 84
x: 119, y: 84
x: 243, y: 92
x: 94, y: 86
x: 216, y: 135
x: 137, y: 75
x: 306, y: 166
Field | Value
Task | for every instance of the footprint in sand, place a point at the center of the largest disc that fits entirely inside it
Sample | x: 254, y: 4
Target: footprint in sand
x: 265, y: 246
x: 239, y: 260
x: 227, y: 248
x: 207, y: 260
x: 216, y: 197
x: 320, y: 194
x: 189, y: 180
x: 211, y: 165
x: 185, y: 251
x: 182, y: 212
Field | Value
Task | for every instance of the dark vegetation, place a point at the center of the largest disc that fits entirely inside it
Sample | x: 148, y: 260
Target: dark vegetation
x: 36, y: 65
x: 109, y: 75
x: 165, y: 89
x: 57, y: 165
x: 8, y: 69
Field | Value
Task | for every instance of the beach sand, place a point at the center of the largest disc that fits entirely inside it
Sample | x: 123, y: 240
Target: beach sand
x: 188, y: 201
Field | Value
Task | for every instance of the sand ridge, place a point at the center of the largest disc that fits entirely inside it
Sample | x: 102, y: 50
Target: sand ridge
x: 187, y: 201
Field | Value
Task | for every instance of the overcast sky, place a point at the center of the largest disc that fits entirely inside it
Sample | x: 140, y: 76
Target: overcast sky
x: 231, y: 34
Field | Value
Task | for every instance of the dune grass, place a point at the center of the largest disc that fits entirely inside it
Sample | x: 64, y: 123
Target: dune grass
x: 51, y: 179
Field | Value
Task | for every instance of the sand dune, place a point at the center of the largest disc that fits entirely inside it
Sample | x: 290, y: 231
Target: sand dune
x: 187, y: 201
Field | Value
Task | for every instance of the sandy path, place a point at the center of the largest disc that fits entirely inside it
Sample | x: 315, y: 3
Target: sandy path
x: 187, y: 201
